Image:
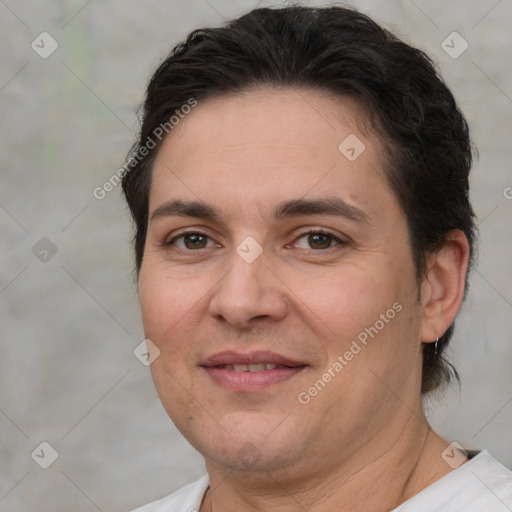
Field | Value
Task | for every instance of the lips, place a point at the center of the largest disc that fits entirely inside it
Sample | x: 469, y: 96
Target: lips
x: 259, y: 367
x: 250, y: 371
x: 254, y: 358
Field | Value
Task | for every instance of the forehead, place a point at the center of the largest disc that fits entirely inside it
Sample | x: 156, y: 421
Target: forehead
x: 262, y: 145
x: 272, y: 116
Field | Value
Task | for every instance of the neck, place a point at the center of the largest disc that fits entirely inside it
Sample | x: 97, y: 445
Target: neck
x: 372, y: 477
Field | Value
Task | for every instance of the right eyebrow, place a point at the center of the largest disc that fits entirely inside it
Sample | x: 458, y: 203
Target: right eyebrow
x: 179, y: 208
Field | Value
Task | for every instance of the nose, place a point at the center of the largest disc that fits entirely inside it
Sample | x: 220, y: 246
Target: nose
x: 248, y: 294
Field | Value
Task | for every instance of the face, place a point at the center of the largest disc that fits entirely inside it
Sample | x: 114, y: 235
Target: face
x: 278, y: 283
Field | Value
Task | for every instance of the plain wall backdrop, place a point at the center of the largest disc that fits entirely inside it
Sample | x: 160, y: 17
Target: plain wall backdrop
x: 69, y: 314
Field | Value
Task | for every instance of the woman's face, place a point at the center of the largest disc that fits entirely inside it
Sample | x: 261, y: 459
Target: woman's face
x: 279, y: 348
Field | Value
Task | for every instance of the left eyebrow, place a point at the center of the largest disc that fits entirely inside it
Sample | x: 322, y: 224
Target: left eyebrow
x: 325, y: 206
x: 292, y: 208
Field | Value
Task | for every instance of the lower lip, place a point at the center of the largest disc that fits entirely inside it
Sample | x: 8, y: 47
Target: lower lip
x: 251, y: 381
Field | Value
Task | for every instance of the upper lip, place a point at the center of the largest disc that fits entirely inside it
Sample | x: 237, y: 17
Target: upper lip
x: 261, y: 356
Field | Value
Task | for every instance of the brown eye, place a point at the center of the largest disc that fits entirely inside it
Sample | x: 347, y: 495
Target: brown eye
x: 317, y: 240
x: 195, y: 241
x: 191, y: 241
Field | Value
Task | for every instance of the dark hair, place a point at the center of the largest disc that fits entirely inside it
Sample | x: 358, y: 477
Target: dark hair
x: 344, y: 52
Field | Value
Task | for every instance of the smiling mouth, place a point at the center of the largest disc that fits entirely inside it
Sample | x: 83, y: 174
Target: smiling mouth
x: 258, y: 367
x: 250, y: 372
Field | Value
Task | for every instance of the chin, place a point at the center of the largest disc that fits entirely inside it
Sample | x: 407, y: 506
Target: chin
x: 251, y: 458
x: 250, y: 446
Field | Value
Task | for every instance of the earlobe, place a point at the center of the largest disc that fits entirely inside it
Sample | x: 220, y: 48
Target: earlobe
x: 443, y: 286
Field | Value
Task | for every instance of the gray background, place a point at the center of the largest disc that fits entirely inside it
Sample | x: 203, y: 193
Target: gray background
x: 69, y: 325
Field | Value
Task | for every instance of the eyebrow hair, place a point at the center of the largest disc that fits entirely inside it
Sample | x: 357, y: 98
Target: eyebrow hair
x: 324, y: 206
x: 292, y: 208
x: 180, y: 208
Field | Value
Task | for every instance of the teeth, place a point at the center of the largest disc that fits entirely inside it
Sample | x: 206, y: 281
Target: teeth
x: 250, y: 367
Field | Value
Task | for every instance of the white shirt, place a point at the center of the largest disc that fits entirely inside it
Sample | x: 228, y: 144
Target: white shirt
x: 480, y: 485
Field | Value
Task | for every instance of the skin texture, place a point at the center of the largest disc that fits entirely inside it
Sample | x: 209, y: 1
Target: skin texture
x: 365, y: 429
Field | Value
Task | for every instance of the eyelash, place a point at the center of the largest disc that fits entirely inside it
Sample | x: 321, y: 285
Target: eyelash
x: 305, y: 233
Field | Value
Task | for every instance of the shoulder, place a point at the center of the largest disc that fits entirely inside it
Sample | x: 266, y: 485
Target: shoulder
x: 483, y: 483
x: 186, y: 499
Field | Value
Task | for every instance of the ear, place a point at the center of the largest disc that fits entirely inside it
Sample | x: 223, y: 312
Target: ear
x: 442, y: 289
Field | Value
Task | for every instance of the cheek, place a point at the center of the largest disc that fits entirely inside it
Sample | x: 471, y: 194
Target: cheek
x: 349, y: 299
x: 166, y: 303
